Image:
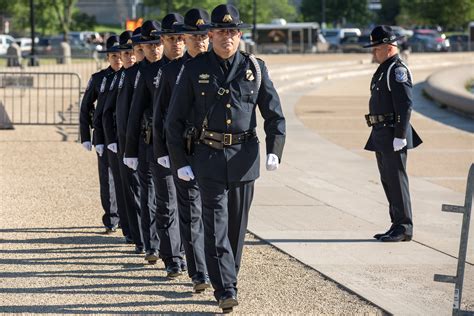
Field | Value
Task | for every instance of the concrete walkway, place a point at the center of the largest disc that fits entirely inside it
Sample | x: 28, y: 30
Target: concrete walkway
x: 325, y: 203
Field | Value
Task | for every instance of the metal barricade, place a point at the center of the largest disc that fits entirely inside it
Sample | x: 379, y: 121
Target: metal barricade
x: 459, y: 278
x: 39, y: 98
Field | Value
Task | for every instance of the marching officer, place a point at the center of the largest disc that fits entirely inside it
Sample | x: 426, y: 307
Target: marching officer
x: 141, y: 114
x: 107, y: 193
x: 153, y: 50
x: 218, y: 92
x: 392, y: 135
x: 113, y: 54
x: 128, y: 177
x: 189, y: 199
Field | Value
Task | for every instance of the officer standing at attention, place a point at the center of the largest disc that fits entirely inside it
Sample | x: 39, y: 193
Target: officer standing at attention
x: 113, y: 54
x: 189, y: 199
x: 107, y: 193
x: 390, y: 109
x: 141, y: 114
x: 128, y: 177
x: 218, y: 93
x: 153, y: 51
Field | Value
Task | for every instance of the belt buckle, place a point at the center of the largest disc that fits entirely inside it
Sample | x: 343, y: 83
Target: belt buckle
x: 227, y: 141
x: 221, y: 91
x: 372, y: 120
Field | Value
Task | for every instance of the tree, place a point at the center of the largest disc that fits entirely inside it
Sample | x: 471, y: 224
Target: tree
x: 389, y: 12
x: 267, y: 10
x: 64, y: 10
x: 450, y: 14
x: 338, y: 12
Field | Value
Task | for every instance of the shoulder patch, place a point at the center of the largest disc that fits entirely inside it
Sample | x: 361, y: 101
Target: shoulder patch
x: 102, y: 86
x: 401, y: 74
x: 113, y: 83
x: 137, y: 78
x: 156, y: 80
x: 122, y: 78
x: 179, y: 74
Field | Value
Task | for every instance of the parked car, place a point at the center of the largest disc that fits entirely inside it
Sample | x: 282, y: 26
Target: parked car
x: 51, y: 46
x: 334, y: 36
x: 426, y: 40
x: 355, y: 44
x: 400, y: 31
x: 459, y: 42
x: 5, y: 41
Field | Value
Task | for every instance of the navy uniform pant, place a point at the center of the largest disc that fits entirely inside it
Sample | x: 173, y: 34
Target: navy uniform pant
x: 121, y: 207
x: 190, y: 224
x: 225, y: 208
x: 392, y: 168
x: 147, y: 198
x: 167, y: 222
x: 131, y: 194
x: 107, y: 192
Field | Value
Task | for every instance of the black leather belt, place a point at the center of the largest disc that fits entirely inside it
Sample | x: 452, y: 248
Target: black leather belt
x: 220, y: 140
x: 375, y: 119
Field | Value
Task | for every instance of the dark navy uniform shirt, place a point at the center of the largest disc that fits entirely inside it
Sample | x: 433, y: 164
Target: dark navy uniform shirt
x: 391, y: 92
x: 108, y: 114
x: 99, y: 134
x: 161, y: 101
x: 146, y: 83
x: 87, y: 105
x: 234, y: 113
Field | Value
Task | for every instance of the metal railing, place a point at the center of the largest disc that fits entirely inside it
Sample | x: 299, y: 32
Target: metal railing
x: 40, y: 98
x: 459, y: 278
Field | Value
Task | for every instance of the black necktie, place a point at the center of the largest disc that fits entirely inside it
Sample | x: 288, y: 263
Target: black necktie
x: 225, y: 65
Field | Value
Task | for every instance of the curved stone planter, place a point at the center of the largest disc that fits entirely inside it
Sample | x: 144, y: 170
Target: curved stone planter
x: 448, y: 87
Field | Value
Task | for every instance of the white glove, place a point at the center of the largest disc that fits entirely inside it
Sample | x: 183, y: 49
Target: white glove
x: 132, y: 163
x: 87, y: 146
x: 99, y: 149
x: 272, y: 162
x: 186, y: 173
x: 112, y: 147
x: 164, y: 161
x: 399, y: 143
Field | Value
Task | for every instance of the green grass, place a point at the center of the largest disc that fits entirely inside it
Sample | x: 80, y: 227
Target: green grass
x: 101, y: 28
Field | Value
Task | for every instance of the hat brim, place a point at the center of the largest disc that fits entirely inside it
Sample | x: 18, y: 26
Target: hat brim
x: 183, y: 29
x: 125, y: 47
x: 149, y: 41
x: 381, y: 42
x: 114, y: 49
x: 229, y: 26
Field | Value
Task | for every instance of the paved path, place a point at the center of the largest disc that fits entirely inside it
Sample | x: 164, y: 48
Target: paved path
x: 326, y: 201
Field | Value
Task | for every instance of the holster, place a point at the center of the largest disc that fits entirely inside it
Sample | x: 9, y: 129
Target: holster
x: 190, y: 139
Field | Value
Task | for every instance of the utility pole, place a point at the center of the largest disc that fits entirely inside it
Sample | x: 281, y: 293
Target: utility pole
x: 254, y: 28
x: 33, y: 61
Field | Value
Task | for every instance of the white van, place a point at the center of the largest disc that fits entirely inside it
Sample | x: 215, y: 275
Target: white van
x: 5, y: 41
x: 334, y: 36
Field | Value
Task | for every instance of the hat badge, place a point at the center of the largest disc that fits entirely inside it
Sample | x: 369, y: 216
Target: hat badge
x: 227, y: 18
x: 200, y: 22
x: 129, y: 41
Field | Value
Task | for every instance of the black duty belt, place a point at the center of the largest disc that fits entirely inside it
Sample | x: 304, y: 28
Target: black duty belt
x: 376, y: 119
x: 218, y: 140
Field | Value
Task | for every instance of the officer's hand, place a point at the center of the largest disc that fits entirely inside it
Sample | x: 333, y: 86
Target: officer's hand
x: 132, y: 163
x: 87, y: 145
x: 99, y: 149
x: 112, y: 147
x: 399, y: 143
x: 272, y: 162
x: 164, y: 161
x: 186, y: 173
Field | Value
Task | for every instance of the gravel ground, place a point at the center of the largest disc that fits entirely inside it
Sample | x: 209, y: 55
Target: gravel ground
x: 56, y: 259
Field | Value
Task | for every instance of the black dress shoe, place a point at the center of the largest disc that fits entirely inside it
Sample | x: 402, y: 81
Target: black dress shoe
x: 151, y: 256
x: 396, y: 237
x: 173, y: 270
x: 378, y: 236
x: 183, y: 265
x: 110, y: 230
x: 129, y: 240
x: 227, y: 301
x: 139, y: 250
x: 200, y: 282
